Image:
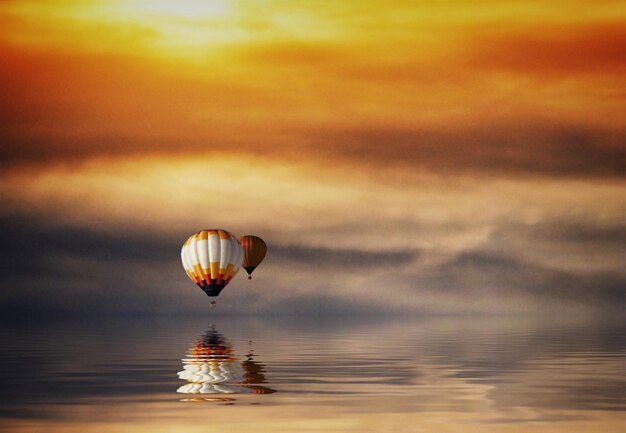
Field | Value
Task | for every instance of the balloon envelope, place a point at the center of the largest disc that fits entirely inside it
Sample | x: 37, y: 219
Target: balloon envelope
x: 211, y: 259
x: 254, y: 252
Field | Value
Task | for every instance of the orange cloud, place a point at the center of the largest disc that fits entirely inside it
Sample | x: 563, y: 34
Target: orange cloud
x: 558, y: 51
x: 416, y: 86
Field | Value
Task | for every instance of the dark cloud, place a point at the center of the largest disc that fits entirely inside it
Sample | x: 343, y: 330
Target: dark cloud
x: 497, y: 276
x: 27, y: 244
x: 51, y: 267
x: 590, y: 234
x: 534, y: 148
x: 324, y: 304
x: 564, y: 243
x: 563, y: 50
x: 351, y: 258
x: 54, y: 268
x: 503, y: 149
x: 30, y: 246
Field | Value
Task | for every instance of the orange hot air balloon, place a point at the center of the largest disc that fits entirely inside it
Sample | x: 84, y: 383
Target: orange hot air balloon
x: 254, y: 249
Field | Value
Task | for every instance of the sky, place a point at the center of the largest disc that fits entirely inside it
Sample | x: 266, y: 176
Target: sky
x: 398, y: 157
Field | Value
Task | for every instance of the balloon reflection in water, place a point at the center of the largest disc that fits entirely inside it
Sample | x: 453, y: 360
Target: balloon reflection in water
x: 212, y: 368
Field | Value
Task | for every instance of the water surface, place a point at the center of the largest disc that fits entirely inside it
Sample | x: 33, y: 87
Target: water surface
x: 313, y: 374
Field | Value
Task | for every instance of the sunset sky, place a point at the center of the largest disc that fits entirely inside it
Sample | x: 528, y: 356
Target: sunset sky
x: 397, y: 156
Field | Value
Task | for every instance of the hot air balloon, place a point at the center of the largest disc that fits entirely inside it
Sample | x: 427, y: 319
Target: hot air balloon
x: 254, y: 252
x: 211, y: 259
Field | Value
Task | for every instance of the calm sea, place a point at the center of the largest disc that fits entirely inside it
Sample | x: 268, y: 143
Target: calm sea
x: 330, y: 374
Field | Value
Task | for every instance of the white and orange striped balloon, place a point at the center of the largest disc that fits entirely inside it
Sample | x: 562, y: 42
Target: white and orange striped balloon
x: 211, y: 259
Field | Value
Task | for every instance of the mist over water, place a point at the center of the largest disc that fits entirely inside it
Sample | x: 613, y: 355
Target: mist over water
x: 336, y: 374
